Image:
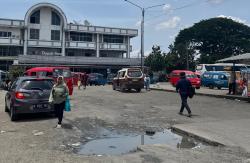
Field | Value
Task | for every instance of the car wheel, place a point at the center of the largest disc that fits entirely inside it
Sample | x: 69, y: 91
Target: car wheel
x: 6, y: 108
x: 198, y: 87
x: 129, y: 90
x: 122, y: 88
x: 219, y: 87
x: 114, y: 88
x: 138, y: 90
x: 13, y: 116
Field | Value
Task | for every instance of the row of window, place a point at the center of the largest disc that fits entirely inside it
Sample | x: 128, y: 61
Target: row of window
x: 113, y: 39
x: 5, y: 34
x: 35, y: 34
x: 55, y: 18
x: 75, y: 36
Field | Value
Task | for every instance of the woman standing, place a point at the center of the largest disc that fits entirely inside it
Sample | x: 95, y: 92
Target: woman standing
x: 58, y: 97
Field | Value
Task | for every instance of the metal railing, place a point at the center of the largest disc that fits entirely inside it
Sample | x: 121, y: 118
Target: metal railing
x: 10, y: 41
x: 81, y: 45
x: 42, y: 43
x: 103, y: 30
x: 70, y: 60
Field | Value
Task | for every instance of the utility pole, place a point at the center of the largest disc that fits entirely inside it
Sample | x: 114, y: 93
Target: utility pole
x: 142, y: 25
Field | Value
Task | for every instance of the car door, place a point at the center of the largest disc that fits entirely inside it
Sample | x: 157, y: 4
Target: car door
x: 10, y: 94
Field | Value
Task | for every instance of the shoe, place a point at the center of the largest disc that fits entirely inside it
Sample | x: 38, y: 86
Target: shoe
x: 190, y: 115
x: 180, y: 113
x: 58, y: 126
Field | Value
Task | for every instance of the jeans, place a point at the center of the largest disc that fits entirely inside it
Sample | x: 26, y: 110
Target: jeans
x: 59, y: 109
x: 184, y: 104
x: 232, y: 88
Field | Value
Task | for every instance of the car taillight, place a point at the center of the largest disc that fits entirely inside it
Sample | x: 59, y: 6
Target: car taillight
x: 20, y: 95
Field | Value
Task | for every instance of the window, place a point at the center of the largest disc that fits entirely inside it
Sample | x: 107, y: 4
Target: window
x: 134, y: 74
x: 5, y: 34
x: 113, y: 39
x: 121, y: 74
x: 34, y: 34
x: 76, y: 36
x: 55, y: 35
x: 55, y: 19
x: 37, y: 84
x: 35, y: 17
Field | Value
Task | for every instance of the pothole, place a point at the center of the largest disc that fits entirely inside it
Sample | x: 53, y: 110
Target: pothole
x: 117, y: 143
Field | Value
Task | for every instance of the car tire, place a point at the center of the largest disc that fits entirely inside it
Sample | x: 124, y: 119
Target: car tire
x: 114, y: 88
x: 198, y: 87
x: 13, y: 116
x: 219, y: 87
x: 6, y: 108
x: 138, y: 90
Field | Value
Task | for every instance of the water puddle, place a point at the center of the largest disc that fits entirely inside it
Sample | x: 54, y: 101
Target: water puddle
x: 112, y: 143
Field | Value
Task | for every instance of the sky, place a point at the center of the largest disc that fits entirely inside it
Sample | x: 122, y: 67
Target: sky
x: 162, y: 24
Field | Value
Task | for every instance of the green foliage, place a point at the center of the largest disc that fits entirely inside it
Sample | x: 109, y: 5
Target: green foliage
x: 16, y: 71
x: 156, y: 59
x: 214, y: 39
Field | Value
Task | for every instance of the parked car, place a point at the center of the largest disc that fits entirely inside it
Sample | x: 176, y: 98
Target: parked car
x: 129, y: 78
x: 174, y: 77
x: 28, y: 95
x: 96, y: 79
x: 215, y: 79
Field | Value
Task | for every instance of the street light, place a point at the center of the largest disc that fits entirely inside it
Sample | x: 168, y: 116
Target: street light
x: 142, y: 24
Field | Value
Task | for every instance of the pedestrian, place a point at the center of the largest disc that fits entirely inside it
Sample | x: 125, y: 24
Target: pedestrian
x: 79, y: 82
x: 232, y: 83
x: 58, y: 97
x: 244, y: 86
x: 147, y: 82
x: 84, y: 80
x: 183, y: 87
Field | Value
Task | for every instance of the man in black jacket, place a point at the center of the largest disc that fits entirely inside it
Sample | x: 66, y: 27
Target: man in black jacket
x: 183, y: 87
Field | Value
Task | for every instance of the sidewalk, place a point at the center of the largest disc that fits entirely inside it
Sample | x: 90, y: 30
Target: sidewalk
x: 165, y: 86
x: 218, y: 126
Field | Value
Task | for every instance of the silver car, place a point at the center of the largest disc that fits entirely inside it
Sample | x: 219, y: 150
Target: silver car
x: 28, y: 95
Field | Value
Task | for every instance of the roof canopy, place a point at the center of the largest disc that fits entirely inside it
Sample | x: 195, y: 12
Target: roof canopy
x: 244, y: 58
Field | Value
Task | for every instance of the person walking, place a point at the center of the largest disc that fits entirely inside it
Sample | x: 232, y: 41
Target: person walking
x: 147, y: 82
x: 183, y: 87
x: 58, y: 97
x: 232, y: 83
x: 244, y: 86
x: 84, y: 80
x: 79, y: 83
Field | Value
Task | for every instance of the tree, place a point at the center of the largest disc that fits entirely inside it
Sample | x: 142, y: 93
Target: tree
x: 213, y: 39
x: 156, y: 59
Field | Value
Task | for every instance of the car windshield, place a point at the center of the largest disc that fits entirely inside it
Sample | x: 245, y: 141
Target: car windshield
x: 191, y: 76
x: 37, y: 85
x: 134, y: 73
x: 62, y: 72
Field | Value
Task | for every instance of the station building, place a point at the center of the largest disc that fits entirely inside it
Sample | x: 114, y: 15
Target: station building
x: 45, y: 38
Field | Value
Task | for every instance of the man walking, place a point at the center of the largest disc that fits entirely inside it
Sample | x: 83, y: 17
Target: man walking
x: 183, y: 87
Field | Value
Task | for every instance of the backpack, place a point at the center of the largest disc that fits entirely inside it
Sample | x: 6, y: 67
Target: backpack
x: 191, y: 92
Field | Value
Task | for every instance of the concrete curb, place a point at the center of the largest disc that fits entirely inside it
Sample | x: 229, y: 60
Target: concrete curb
x: 231, y: 97
x: 202, y: 139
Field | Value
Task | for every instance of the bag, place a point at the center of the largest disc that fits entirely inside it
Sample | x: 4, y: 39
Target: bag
x: 67, y: 104
x: 51, y: 99
x: 191, y: 92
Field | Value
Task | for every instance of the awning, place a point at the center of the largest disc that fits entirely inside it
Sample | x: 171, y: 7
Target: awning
x: 244, y: 58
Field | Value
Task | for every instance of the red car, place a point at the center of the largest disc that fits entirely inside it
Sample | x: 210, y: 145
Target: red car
x: 191, y: 76
x: 53, y: 72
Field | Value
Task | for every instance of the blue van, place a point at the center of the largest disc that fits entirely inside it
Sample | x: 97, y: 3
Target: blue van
x: 96, y: 79
x: 215, y: 79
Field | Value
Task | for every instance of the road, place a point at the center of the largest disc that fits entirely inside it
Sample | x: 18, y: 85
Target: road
x: 34, y: 138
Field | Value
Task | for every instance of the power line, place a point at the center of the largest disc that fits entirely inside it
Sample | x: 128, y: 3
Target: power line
x: 178, y: 8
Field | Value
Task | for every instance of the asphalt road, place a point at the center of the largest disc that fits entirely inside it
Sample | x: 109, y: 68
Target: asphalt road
x: 34, y: 139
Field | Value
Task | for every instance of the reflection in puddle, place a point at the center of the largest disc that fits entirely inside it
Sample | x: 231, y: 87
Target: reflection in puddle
x: 114, y: 144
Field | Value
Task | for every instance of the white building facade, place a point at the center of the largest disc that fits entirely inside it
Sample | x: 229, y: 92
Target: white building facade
x: 45, y: 37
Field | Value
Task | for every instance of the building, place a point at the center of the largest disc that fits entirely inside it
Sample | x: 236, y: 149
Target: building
x: 45, y: 38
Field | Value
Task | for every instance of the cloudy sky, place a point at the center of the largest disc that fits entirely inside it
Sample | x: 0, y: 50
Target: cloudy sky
x: 162, y: 24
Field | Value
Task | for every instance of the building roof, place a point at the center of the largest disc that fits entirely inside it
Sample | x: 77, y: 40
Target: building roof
x: 239, y: 58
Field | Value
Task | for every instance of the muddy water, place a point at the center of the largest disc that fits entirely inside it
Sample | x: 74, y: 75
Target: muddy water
x: 112, y: 143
